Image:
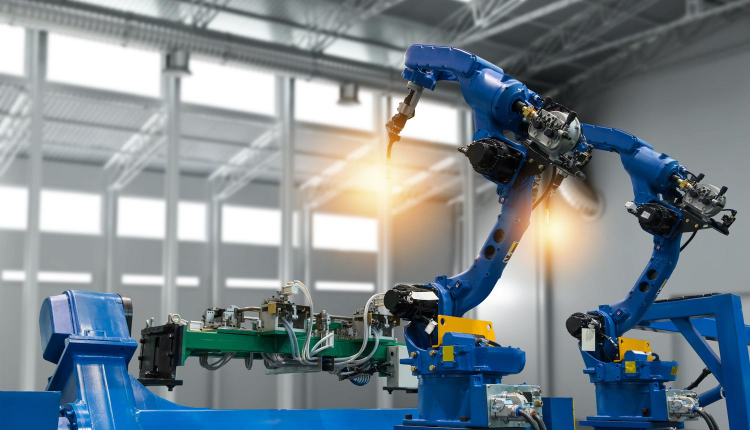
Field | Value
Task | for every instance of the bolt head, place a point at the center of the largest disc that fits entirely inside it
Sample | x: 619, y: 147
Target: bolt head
x: 541, y: 166
x: 432, y: 367
x: 413, y: 354
x: 413, y: 368
x: 433, y: 353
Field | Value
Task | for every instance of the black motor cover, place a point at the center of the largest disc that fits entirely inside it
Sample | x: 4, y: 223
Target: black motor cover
x: 494, y: 158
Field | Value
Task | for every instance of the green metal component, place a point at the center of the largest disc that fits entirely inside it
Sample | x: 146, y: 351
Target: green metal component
x: 245, y: 342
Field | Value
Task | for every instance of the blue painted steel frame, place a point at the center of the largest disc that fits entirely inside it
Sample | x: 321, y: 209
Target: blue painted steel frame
x: 86, y: 335
x: 726, y: 324
x: 718, y: 317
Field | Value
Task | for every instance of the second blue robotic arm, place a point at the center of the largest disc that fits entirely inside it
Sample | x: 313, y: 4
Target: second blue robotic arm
x: 668, y: 201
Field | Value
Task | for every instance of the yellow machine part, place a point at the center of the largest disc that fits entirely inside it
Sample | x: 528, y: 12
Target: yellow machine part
x: 448, y: 324
x: 627, y: 344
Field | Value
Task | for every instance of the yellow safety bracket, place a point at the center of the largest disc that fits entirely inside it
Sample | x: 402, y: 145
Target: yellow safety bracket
x: 447, y: 324
x: 627, y: 344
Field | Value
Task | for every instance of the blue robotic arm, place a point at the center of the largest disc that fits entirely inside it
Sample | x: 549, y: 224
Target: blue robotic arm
x: 458, y: 370
x: 547, y: 137
x: 668, y: 201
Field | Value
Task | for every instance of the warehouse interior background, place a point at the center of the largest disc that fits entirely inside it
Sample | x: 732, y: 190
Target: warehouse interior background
x: 192, y: 154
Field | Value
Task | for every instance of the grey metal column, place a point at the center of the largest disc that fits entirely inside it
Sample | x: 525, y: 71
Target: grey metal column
x: 174, y: 67
x: 110, y: 234
x: 544, y: 285
x: 466, y: 135
x: 381, y: 111
x: 36, y: 71
x: 306, y: 226
x: 285, y: 111
x: 215, y: 300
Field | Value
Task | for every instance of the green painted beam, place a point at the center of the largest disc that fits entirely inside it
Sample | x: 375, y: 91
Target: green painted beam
x: 245, y: 342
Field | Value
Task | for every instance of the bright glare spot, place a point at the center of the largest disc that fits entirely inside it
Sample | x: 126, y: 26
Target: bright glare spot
x: 359, y: 287
x: 12, y: 41
x: 104, y: 65
x: 71, y: 212
x: 556, y: 230
x: 216, y: 85
x: 344, y: 233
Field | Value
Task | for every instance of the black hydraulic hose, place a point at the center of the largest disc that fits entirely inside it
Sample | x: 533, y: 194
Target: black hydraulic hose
x: 706, y: 371
x: 707, y: 418
x: 547, y: 190
x: 526, y: 416
x: 539, y: 421
x: 711, y: 417
x: 684, y: 245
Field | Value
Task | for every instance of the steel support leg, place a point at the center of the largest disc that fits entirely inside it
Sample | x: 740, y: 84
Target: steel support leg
x: 735, y: 360
x: 285, y: 108
x: 36, y: 70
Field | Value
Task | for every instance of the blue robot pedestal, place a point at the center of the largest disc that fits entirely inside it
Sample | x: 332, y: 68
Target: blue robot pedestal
x: 632, y: 393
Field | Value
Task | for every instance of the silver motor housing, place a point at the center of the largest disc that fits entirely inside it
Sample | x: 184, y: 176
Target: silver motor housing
x: 548, y: 130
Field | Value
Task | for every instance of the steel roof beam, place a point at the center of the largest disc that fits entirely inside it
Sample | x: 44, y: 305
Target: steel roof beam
x: 565, y: 40
x: 521, y: 20
x: 473, y: 18
x: 14, y: 131
x: 120, y: 27
x: 690, y: 17
x: 643, y: 48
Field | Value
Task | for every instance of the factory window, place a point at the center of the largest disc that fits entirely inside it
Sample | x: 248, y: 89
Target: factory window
x: 158, y: 280
x: 344, y: 233
x: 145, y: 218
x: 318, y: 103
x: 15, y: 200
x: 434, y: 122
x: 250, y: 225
x: 357, y: 287
x: 71, y: 212
x: 253, y: 283
x: 49, y: 277
x: 226, y: 87
x: 13, y: 50
x: 192, y: 224
x: 104, y: 65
